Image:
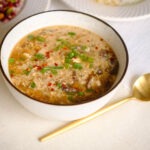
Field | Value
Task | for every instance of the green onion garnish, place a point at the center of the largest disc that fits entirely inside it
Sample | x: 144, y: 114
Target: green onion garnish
x: 31, y: 37
x: 54, y: 71
x: 32, y: 85
x: 56, y: 67
x: 80, y: 93
x: 71, y: 34
x: 68, y: 60
x: 70, y: 97
x: 86, y: 58
x: 83, y: 47
x: 40, y: 39
x: 59, y: 85
x: 89, y: 90
x: 39, y: 56
x: 77, y: 66
x: 67, y: 65
x: 11, y: 60
x: 45, y: 69
x: 90, y: 59
x: 26, y: 72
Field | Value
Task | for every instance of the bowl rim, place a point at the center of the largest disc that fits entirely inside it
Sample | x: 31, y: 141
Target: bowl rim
x: 70, y: 11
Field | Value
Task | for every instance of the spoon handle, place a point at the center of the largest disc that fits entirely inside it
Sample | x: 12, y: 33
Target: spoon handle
x: 83, y: 120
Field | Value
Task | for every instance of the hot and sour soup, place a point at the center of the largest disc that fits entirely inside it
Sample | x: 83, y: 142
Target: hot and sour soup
x: 63, y: 65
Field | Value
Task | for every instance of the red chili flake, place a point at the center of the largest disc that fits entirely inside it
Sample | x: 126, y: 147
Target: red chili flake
x: 49, y: 84
x: 64, y: 85
x: 73, y: 77
x: 50, y: 76
x: 65, y: 48
x: 44, y: 65
x: 59, y: 53
x: 37, y: 67
x: 28, y: 69
x: 47, y: 54
x: 55, y: 64
x: 96, y: 47
x: 10, y: 5
x: 52, y: 89
x: 45, y: 45
x: 12, y: 75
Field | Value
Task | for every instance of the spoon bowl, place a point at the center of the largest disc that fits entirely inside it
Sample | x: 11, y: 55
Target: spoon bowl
x: 141, y: 88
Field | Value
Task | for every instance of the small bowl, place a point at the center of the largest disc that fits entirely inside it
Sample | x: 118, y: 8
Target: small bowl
x: 10, y: 9
x: 63, y: 17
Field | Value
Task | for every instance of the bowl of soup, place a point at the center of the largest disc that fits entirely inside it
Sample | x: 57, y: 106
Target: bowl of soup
x: 63, y: 64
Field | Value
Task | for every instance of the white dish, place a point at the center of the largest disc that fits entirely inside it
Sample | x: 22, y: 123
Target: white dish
x: 63, y: 112
x: 29, y: 8
x: 113, y: 13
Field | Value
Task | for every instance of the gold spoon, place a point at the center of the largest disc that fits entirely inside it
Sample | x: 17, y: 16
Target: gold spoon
x: 141, y: 91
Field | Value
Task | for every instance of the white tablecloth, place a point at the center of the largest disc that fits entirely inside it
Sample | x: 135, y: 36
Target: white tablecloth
x: 124, y: 128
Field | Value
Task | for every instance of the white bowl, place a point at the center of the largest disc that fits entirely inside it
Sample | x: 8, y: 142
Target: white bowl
x: 63, y: 17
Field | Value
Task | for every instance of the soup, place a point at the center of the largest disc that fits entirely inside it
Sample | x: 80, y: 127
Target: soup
x: 63, y: 65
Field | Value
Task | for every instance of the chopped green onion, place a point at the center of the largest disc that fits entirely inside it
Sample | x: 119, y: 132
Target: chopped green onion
x: 70, y: 97
x: 89, y: 90
x: 11, y: 60
x: 83, y: 47
x: 68, y: 60
x: 80, y: 93
x: 26, y: 72
x: 67, y: 65
x: 57, y: 67
x: 11, y: 72
x: 91, y: 66
x: 59, y: 47
x: 53, y: 71
x: 64, y: 43
x: 32, y: 85
x: 90, y: 59
x: 45, y: 69
x: 31, y: 37
x: 71, y: 34
x: 39, y: 56
x: 59, y: 85
x: 71, y: 55
x: 83, y: 57
x: 60, y: 40
x: 73, y: 47
x: 40, y: 39
x: 22, y: 59
x: 77, y: 66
